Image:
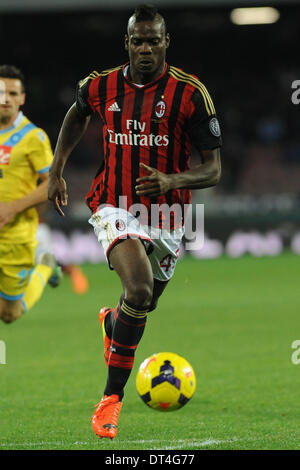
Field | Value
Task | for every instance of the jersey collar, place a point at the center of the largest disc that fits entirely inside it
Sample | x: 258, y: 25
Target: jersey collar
x: 139, y: 87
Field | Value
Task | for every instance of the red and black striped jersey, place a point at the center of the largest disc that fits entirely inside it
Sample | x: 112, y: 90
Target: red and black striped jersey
x: 156, y: 124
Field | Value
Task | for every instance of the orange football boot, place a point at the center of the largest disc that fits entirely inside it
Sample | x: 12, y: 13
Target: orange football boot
x: 105, y: 418
x: 107, y: 341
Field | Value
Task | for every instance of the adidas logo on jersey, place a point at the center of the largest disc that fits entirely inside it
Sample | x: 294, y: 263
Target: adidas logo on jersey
x: 114, y: 107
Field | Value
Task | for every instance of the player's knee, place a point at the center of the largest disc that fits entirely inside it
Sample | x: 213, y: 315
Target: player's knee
x: 140, y: 294
x: 8, y: 316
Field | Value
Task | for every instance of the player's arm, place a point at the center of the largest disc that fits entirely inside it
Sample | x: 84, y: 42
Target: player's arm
x: 206, y: 174
x: 9, y: 210
x: 71, y: 132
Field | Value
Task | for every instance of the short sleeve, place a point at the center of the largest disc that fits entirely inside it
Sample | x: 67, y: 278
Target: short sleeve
x: 82, y: 97
x: 39, y: 151
x: 203, y: 126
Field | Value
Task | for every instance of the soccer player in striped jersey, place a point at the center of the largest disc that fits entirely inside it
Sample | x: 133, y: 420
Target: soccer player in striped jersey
x: 152, y: 114
x: 25, y: 158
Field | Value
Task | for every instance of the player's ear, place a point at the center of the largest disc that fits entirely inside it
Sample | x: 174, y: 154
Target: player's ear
x: 167, y: 40
x: 126, y: 42
x: 23, y: 99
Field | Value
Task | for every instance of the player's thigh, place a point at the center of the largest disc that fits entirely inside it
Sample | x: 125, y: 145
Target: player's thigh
x: 10, y: 310
x: 129, y: 259
x: 126, y: 244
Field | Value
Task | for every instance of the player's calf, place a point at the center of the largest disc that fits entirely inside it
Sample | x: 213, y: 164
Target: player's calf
x: 128, y: 329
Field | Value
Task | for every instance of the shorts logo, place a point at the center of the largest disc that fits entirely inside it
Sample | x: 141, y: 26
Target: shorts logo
x: 160, y: 109
x: 214, y: 127
x: 5, y: 154
x: 120, y: 225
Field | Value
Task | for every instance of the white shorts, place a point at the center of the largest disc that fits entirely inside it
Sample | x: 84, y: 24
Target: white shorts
x: 112, y: 225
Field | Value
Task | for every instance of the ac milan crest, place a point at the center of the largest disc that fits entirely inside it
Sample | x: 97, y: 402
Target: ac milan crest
x: 160, y: 109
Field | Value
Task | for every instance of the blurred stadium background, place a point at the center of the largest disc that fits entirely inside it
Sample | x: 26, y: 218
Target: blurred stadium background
x: 249, y: 70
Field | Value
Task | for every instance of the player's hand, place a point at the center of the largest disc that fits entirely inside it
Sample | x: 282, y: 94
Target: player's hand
x: 8, y: 210
x: 57, y: 193
x: 154, y: 184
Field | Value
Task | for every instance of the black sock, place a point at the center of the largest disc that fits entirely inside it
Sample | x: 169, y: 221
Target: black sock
x: 110, y: 318
x: 128, y: 327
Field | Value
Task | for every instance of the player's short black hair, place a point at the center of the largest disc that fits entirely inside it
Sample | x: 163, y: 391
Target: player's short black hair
x: 145, y: 13
x: 148, y: 12
x: 11, y: 71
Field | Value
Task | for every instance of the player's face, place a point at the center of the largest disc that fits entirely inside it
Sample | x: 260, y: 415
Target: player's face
x: 11, y: 97
x: 146, y: 43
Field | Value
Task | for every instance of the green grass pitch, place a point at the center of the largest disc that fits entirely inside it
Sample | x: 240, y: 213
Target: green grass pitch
x: 234, y: 320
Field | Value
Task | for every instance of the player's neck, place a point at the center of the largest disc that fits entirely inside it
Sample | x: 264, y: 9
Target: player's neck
x: 144, y: 78
x: 7, y: 121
